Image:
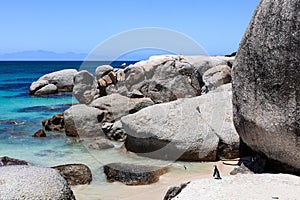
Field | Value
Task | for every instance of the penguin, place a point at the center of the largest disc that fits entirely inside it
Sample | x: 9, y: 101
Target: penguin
x: 216, y: 173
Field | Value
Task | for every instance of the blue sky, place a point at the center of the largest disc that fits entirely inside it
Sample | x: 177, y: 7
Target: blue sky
x: 79, y: 26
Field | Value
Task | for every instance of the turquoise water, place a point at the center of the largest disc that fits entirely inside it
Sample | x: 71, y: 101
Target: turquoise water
x: 21, y: 114
x: 21, y: 117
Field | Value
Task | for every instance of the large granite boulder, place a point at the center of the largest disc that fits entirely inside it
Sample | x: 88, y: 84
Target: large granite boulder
x: 133, y: 174
x: 63, y: 80
x: 85, y: 87
x: 190, y: 129
x: 248, y: 187
x: 161, y: 78
x: 266, y: 80
x: 29, y: 182
x: 116, y: 106
x: 75, y: 174
x: 83, y: 121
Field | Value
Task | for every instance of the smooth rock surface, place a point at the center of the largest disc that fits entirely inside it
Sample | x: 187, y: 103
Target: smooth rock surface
x: 31, y: 183
x: 46, y: 90
x: 85, y: 87
x: 266, y: 80
x: 63, y: 80
x: 83, y: 121
x: 133, y: 174
x: 191, y: 129
x: 216, y: 76
x: 75, y: 174
x: 116, y: 106
x: 103, y: 70
x: 100, y: 144
x: 246, y: 187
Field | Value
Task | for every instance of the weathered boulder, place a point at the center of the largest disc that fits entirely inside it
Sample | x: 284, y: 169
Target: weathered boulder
x: 75, y: 174
x: 191, y: 129
x: 85, y: 87
x: 216, y: 76
x: 35, y: 86
x: 63, y: 80
x: 46, y: 90
x: 116, y: 106
x: 40, y: 133
x: 161, y: 78
x: 266, y: 80
x: 262, y: 186
x: 55, y: 123
x: 103, y: 70
x: 204, y: 63
x: 6, y: 161
x: 29, y: 182
x: 133, y: 174
x: 83, y: 121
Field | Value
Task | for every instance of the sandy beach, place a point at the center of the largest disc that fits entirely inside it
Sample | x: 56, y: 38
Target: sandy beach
x: 99, y: 189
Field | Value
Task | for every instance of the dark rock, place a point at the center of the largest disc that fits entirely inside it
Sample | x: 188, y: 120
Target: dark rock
x: 5, y: 161
x: 241, y: 170
x: 75, y: 174
x: 132, y: 174
x: 54, y: 124
x: 174, y: 191
x: 40, y: 133
x: 114, y: 131
x: 266, y: 79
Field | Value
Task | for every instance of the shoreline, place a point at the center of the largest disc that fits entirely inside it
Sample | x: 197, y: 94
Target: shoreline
x: 100, y: 189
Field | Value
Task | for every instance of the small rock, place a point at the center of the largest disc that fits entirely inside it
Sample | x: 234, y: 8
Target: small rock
x: 75, y: 174
x: 103, y: 70
x: 114, y: 131
x: 135, y: 94
x: 6, y: 161
x: 55, y: 124
x: 132, y: 174
x: 216, y: 76
x: 241, y: 170
x: 174, y: 191
x: 100, y: 144
x: 40, y: 133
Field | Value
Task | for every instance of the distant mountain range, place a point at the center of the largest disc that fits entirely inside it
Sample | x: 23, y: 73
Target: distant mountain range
x: 41, y: 55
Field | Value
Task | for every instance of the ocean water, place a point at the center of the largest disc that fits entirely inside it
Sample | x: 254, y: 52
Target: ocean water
x: 21, y: 116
